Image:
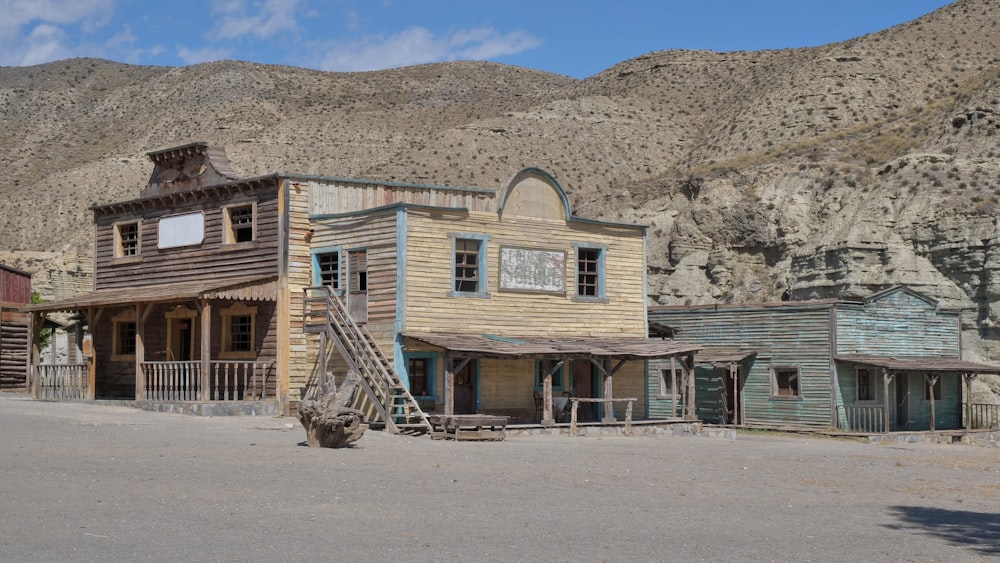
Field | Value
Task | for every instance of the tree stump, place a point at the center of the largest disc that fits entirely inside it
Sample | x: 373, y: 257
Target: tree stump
x: 329, y: 422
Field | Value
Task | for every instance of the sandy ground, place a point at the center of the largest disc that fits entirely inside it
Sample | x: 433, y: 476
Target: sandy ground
x: 92, y: 482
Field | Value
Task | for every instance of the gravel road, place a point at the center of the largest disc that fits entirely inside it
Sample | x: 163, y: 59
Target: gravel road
x: 87, y: 482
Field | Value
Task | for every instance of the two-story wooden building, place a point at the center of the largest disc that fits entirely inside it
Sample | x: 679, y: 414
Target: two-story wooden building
x: 210, y: 288
x: 890, y: 362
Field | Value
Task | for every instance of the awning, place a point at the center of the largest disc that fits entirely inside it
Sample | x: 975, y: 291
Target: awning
x: 919, y: 363
x: 243, y: 289
x: 496, y: 346
x: 723, y: 355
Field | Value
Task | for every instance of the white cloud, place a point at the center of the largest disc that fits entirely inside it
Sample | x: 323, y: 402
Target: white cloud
x: 236, y: 20
x: 37, y: 31
x: 417, y: 45
x: 207, y: 54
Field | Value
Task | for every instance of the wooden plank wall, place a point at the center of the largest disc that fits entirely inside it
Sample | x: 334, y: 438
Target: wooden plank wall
x: 15, y: 338
x: 15, y: 286
x: 346, y: 197
x: 509, y: 313
x: 209, y: 261
x: 898, y: 324
x: 782, y: 336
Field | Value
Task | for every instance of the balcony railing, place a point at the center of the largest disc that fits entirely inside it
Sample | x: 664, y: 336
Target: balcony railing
x: 982, y: 415
x: 227, y: 381
x: 864, y: 418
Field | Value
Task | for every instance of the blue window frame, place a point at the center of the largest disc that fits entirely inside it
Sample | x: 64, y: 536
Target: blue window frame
x: 468, y: 265
x: 421, y: 374
x: 591, y: 273
x: 542, y: 367
x: 326, y: 268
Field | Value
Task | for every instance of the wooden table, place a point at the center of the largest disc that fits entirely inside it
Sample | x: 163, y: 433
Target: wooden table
x: 468, y: 427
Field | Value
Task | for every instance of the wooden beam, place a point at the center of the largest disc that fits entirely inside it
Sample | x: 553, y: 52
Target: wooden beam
x: 35, y: 330
x: 969, y: 377
x: 141, y: 314
x: 93, y: 317
x: 673, y: 387
x: 932, y: 380
x: 886, y: 379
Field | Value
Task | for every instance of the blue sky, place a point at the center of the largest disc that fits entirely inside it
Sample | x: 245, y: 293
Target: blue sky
x: 575, y: 38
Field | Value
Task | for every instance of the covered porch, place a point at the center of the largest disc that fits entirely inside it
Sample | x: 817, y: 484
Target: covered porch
x: 882, y: 394
x: 168, y: 346
x: 541, y: 381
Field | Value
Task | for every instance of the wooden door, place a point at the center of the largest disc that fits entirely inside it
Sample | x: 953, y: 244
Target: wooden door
x: 465, y: 389
x: 357, y: 285
x: 584, y: 385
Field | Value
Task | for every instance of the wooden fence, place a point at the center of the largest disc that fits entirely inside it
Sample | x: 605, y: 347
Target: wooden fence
x: 982, y: 415
x: 61, y: 381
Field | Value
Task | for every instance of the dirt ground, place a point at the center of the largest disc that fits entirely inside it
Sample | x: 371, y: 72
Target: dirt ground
x: 88, y: 482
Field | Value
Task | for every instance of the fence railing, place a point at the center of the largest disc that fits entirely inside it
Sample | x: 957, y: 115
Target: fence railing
x: 864, y: 418
x: 62, y: 381
x: 982, y: 415
x: 227, y: 381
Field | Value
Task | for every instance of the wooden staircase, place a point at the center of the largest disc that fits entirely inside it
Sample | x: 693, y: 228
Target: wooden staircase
x: 385, y: 399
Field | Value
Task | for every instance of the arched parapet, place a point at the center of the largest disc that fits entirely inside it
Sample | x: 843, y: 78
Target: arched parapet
x: 533, y: 192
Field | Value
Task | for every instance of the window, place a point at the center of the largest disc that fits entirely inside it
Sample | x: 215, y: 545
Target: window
x: 469, y: 265
x: 239, y: 332
x: 864, y: 385
x: 785, y: 382
x: 589, y: 273
x: 671, y: 380
x: 326, y: 268
x: 421, y: 370
x: 936, y: 387
x: 127, y: 239
x: 240, y: 224
x: 545, y: 366
x: 124, y: 332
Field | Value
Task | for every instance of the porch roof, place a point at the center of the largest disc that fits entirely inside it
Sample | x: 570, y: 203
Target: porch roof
x: 245, y: 288
x: 919, y: 363
x: 495, y: 346
x: 723, y: 355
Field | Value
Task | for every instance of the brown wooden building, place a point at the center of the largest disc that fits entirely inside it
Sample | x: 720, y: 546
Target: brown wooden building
x: 15, y: 292
x: 212, y: 289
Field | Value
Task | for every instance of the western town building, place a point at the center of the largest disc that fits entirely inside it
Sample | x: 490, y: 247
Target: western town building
x: 890, y: 362
x: 216, y: 293
x: 15, y: 292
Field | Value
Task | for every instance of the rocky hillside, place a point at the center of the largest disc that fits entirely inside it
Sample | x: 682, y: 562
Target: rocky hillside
x: 829, y: 171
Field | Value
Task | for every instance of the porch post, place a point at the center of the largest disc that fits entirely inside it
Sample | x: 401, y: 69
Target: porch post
x: 547, y: 419
x: 886, y: 378
x: 673, y: 386
x: 932, y: 381
x: 449, y: 385
x: 691, y: 402
x: 609, y: 410
x: 968, y: 377
x: 141, y: 312
x: 206, y: 349
x: 93, y: 317
x: 34, y: 333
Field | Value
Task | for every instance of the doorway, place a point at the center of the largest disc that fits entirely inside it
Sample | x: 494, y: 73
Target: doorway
x: 357, y: 285
x: 180, y: 335
x: 731, y: 386
x: 902, y: 401
x: 465, y: 388
x: 585, y: 384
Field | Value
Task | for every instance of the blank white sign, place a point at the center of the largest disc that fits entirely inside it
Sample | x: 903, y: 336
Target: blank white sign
x: 181, y: 230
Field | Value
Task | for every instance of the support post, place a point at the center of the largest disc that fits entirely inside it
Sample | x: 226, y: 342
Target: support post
x: 609, y: 409
x: 673, y: 387
x: 689, y: 374
x: 321, y: 382
x: 141, y: 312
x: 206, y: 349
x: 93, y: 317
x: 886, y: 379
x: 34, y: 332
x: 969, y: 377
x: 931, y: 380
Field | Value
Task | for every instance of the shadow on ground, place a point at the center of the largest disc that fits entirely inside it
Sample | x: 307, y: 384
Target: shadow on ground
x: 977, y: 530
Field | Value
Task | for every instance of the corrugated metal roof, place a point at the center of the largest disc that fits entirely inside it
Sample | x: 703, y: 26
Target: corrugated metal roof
x: 488, y: 345
x: 246, y: 289
x: 919, y: 363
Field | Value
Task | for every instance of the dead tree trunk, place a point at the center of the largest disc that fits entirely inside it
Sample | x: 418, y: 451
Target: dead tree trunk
x: 329, y: 422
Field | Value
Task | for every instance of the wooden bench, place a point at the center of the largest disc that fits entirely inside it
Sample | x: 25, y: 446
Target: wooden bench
x: 468, y: 427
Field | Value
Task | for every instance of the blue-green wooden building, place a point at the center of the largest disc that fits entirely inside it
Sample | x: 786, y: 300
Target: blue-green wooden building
x: 849, y: 365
